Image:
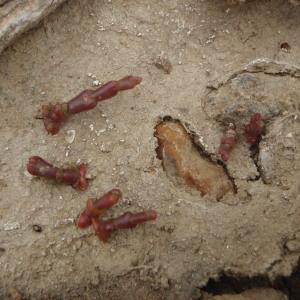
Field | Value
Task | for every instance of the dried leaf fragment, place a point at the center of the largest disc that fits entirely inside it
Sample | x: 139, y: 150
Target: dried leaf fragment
x: 164, y: 64
x: 181, y: 159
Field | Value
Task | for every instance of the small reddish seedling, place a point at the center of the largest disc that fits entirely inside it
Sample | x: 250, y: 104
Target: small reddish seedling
x: 228, y: 141
x: 54, y: 115
x: 72, y: 176
x: 104, y: 228
x: 254, y: 129
x: 95, y: 208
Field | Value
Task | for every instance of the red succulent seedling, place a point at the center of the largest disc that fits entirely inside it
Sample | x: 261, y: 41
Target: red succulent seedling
x: 72, y: 176
x: 54, y: 115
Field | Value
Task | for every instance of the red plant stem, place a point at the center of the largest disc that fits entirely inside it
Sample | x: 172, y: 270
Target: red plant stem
x: 254, y: 129
x: 71, y: 176
x: 55, y: 114
x: 104, y: 228
x: 227, y: 142
x: 94, y: 208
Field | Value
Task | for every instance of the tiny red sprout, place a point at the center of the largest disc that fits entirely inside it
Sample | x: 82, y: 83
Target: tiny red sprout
x: 95, y: 208
x: 254, y: 129
x: 54, y: 115
x: 104, y: 228
x: 71, y: 176
x: 228, y: 141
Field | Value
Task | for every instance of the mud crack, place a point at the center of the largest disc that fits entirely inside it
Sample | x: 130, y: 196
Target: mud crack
x: 230, y: 284
x: 266, y: 66
x: 254, y: 154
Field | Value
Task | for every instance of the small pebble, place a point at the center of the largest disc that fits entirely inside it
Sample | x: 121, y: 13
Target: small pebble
x: 285, y: 47
x: 96, y: 82
x: 37, y: 228
x: 70, y: 136
x: 293, y: 245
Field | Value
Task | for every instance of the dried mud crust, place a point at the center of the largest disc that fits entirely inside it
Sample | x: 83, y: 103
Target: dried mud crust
x: 272, y: 89
x: 254, y: 232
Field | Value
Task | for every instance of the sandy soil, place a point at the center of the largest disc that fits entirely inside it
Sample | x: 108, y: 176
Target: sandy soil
x: 253, y: 232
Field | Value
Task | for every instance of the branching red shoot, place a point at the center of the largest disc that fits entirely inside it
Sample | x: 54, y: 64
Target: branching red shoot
x: 228, y: 141
x: 71, y: 176
x: 104, y: 228
x: 54, y: 115
x: 95, y: 208
x: 254, y: 129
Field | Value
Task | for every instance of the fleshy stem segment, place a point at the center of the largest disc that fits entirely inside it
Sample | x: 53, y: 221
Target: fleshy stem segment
x: 71, y: 176
x: 54, y: 115
x: 96, y: 207
x: 103, y: 228
x: 254, y: 129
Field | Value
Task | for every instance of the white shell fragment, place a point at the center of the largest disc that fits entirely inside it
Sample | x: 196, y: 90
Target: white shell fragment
x: 70, y: 136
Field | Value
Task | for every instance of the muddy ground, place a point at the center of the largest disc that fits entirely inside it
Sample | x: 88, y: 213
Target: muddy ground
x: 253, y: 235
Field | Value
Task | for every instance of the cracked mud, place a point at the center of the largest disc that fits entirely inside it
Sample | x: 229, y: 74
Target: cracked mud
x: 199, y: 64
